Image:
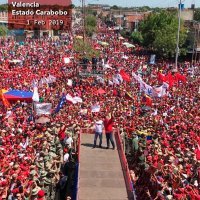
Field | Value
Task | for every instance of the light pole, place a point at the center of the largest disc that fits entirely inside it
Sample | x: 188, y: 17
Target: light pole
x: 83, y: 10
x: 178, y: 35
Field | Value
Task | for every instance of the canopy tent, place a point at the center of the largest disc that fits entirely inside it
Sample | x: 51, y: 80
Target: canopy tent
x: 15, y: 95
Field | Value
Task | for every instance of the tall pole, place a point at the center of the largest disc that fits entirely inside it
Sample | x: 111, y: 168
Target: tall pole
x: 83, y: 11
x: 178, y: 35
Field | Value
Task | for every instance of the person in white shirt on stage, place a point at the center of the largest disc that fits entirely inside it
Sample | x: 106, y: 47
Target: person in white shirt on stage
x: 98, y: 128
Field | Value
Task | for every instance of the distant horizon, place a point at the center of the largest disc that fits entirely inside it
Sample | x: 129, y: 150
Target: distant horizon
x: 141, y: 3
x: 132, y: 3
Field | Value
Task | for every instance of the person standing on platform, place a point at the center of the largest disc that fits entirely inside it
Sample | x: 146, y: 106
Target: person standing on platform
x: 98, y: 128
x: 108, y: 124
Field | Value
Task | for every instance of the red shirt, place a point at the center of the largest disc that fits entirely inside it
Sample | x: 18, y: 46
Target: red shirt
x: 108, y: 124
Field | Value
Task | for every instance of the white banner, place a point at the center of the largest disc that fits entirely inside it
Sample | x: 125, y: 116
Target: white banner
x: 74, y: 100
x: 161, y: 91
x: 66, y: 60
x: 43, y: 108
x: 95, y: 108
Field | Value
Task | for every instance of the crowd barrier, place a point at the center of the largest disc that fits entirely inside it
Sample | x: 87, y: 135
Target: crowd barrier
x: 78, y: 167
x: 123, y: 160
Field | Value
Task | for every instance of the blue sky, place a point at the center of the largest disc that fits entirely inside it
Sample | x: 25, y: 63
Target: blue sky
x: 136, y: 3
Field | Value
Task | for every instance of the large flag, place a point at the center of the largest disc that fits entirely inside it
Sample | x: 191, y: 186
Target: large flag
x: 147, y: 89
x: 35, y: 96
x: 125, y: 76
x: 70, y: 98
x: 170, y: 79
x: 43, y: 108
x: 78, y: 100
x: 73, y: 100
x: 181, y: 77
x: 160, y: 91
x: 60, y: 104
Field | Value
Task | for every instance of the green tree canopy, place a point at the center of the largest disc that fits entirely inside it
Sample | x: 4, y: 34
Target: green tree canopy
x: 159, y: 31
x: 3, y: 7
x: 136, y: 37
x: 3, y: 30
x: 80, y: 46
x: 197, y: 14
x: 90, y: 25
x: 115, y: 7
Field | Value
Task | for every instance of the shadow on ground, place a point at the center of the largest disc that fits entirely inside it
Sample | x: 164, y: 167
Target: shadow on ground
x: 91, y: 145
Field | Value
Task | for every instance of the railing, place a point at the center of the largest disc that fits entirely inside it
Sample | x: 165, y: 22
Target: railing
x: 78, y: 167
x: 124, y: 165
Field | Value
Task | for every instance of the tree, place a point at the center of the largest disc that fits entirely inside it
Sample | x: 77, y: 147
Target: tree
x: 197, y: 14
x: 80, y: 47
x: 72, y: 6
x: 90, y: 25
x: 115, y: 7
x: 144, y: 8
x: 3, y: 30
x: 3, y: 7
x: 159, y: 31
x: 136, y: 37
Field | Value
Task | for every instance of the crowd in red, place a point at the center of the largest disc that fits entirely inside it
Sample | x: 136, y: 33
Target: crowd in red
x: 163, y: 134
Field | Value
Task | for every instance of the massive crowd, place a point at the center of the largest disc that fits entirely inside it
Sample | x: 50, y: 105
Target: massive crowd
x: 161, y: 133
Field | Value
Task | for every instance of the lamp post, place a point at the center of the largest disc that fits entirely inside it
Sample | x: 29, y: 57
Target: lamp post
x: 178, y: 35
x: 83, y: 11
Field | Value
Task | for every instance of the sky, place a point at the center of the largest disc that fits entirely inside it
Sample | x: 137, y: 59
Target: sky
x: 133, y: 3
x: 138, y: 3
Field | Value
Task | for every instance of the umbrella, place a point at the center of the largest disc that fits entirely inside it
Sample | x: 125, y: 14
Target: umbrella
x: 79, y: 37
x: 42, y: 120
x: 103, y: 43
x: 128, y: 45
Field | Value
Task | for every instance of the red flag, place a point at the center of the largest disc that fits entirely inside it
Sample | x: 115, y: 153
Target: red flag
x: 147, y: 100
x: 101, y: 91
x: 181, y: 77
x: 170, y: 79
x: 125, y: 76
x: 161, y: 77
